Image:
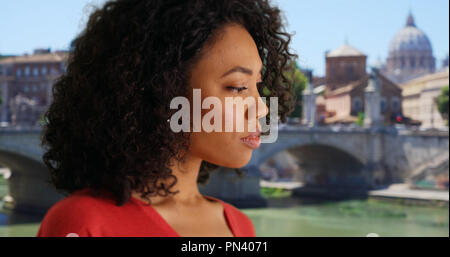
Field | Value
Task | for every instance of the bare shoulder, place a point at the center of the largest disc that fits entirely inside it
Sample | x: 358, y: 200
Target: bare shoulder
x: 231, y: 209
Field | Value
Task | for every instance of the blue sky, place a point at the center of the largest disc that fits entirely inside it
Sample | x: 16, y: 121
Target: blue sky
x: 368, y: 25
x: 319, y: 25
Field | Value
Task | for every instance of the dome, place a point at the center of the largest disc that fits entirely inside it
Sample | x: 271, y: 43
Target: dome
x: 410, y: 54
x: 410, y: 38
x: 344, y: 51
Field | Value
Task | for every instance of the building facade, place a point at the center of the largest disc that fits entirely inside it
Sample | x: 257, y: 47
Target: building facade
x: 343, y: 66
x: 346, y: 81
x: 26, y: 85
x: 420, y: 98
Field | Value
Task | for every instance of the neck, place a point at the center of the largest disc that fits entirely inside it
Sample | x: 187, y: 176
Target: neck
x: 186, y: 173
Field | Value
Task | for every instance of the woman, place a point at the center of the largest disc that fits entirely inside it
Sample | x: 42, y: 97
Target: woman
x: 108, y: 136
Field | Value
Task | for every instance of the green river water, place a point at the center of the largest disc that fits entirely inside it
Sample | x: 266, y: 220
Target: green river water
x: 287, y: 216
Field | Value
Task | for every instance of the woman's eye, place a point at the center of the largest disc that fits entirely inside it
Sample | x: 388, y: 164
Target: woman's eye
x: 236, y: 89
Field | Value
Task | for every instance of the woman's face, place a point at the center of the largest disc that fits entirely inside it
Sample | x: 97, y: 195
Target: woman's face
x: 231, y: 67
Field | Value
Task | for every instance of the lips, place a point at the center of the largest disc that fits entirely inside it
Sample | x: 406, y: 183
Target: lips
x: 253, y: 141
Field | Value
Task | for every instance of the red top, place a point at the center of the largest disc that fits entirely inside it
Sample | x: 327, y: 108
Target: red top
x: 82, y: 214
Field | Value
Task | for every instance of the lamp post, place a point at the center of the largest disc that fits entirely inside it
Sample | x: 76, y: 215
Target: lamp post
x: 309, y: 106
x: 372, y: 101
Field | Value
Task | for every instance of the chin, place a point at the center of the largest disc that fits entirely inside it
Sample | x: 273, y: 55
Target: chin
x: 238, y: 162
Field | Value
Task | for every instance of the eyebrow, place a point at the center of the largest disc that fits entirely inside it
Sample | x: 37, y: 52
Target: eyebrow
x: 240, y: 69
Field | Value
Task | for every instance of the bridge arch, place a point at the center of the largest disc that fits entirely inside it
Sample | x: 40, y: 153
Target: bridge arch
x: 320, y: 164
x: 347, y: 143
x: 29, y: 189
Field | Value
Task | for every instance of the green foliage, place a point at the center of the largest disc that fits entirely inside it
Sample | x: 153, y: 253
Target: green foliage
x: 266, y: 91
x: 443, y: 103
x: 296, y: 77
x: 360, y: 120
x: 269, y: 192
x: 42, y: 119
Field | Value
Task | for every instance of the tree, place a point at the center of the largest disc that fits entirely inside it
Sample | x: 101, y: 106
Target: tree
x: 299, y: 80
x: 360, y: 121
x: 443, y: 103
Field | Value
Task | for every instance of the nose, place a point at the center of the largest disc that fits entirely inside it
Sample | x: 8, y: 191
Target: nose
x: 260, y: 108
x: 263, y: 110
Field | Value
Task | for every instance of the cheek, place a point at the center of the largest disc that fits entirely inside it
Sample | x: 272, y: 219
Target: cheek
x: 233, y: 119
x: 222, y: 148
x: 227, y: 115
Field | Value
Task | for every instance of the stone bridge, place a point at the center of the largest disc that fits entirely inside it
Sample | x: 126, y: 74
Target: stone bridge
x: 380, y: 156
x: 373, y: 157
x: 383, y: 155
x: 28, y: 183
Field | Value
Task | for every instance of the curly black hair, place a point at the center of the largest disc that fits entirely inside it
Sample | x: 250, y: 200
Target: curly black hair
x: 107, y: 126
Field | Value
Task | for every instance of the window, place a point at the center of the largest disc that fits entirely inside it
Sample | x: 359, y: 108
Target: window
x: 349, y: 71
x: 35, y: 71
x: 395, y: 104
x: 26, y: 89
x: 35, y: 88
x: 422, y: 62
x: 412, y: 62
x: 42, y: 86
x: 27, y: 71
x: 18, y: 72
x: 383, y: 105
x: 44, y: 70
x: 332, y: 71
x: 357, y: 104
x: 6, y: 70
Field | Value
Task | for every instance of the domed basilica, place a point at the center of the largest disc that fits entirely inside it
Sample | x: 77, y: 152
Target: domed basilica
x: 410, y: 54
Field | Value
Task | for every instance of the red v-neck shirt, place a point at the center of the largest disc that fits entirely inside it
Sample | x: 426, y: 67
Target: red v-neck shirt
x: 82, y: 214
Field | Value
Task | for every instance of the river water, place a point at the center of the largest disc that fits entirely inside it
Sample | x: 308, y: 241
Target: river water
x: 290, y: 217
x: 351, y: 218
